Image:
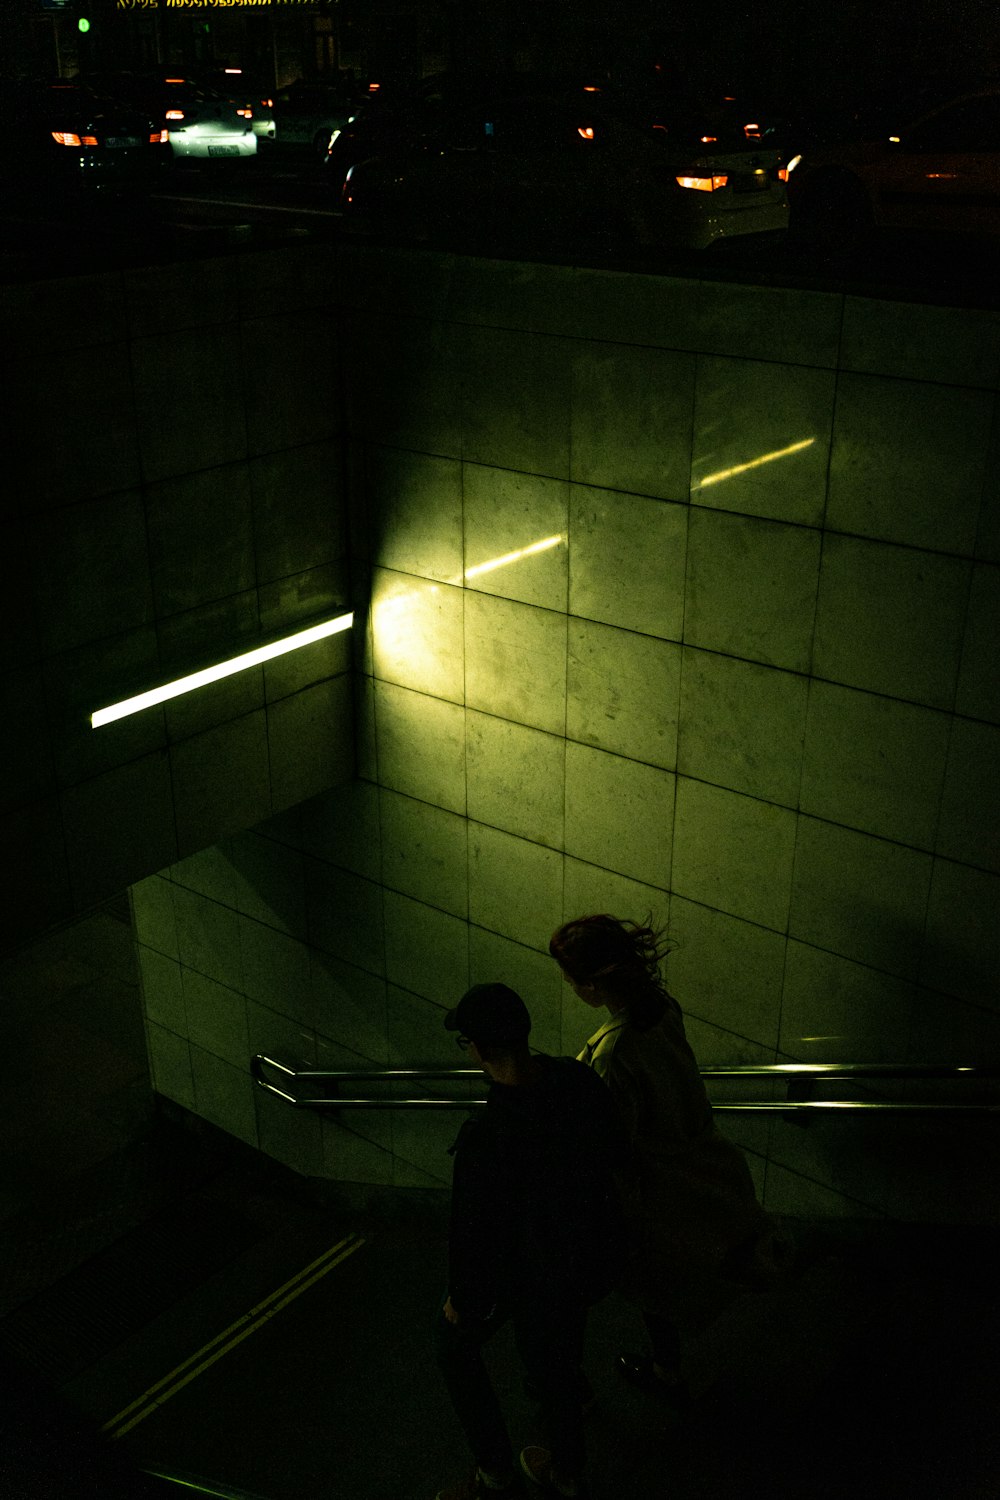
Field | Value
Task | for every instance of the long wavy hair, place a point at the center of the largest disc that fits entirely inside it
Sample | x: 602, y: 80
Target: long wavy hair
x: 620, y: 956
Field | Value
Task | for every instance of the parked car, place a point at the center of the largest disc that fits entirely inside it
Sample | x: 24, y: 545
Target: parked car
x: 307, y: 113
x: 387, y: 116
x: 556, y: 168
x: 201, y: 123
x: 63, y: 136
x: 940, y: 173
x: 241, y: 89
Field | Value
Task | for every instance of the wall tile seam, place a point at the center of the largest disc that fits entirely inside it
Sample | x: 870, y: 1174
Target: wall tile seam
x: 917, y: 849
x: 747, y: 515
x: 475, y: 927
x: 566, y: 857
x: 305, y: 687
x: 373, y: 1063
x: 954, y: 718
x: 396, y: 889
x: 951, y: 714
x: 901, y: 546
x: 564, y: 479
x: 367, y: 647
x: 437, y: 1005
x: 467, y: 588
x: 989, y: 386
x: 694, y: 347
x: 867, y: 1210
x: 692, y: 1014
x: 836, y: 682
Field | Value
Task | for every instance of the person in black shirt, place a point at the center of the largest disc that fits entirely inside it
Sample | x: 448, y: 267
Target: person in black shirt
x: 536, y: 1236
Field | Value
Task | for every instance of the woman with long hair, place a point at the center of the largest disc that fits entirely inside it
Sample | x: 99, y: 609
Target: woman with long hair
x: 689, y: 1195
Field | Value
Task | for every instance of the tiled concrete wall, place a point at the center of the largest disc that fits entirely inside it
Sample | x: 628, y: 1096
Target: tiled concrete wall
x: 172, y: 443
x: 683, y: 600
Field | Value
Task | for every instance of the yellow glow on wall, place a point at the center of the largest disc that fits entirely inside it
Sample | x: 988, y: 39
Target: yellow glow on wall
x: 387, y: 608
x: 221, y: 669
x: 413, y: 620
x: 754, y: 463
x: 511, y: 557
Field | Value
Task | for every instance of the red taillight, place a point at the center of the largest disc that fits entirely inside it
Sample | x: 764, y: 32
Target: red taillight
x: 586, y: 131
x: 158, y: 138
x: 267, y: 103
x: 708, y: 139
x: 752, y: 131
x: 67, y: 138
x: 175, y: 114
x: 703, y: 184
x: 782, y: 174
x: 246, y: 113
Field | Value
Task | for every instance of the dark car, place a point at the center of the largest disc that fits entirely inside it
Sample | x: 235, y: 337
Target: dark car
x: 307, y: 113
x: 385, y: 117
x: 62, y: 136
x: 939, y: 173
x: 539, y: 167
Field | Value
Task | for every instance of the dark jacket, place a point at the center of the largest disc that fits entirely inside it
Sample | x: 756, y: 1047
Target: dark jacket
x: 534, y: 1200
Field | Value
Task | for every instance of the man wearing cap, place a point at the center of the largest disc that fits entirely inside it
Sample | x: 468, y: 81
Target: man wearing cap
x: 536, y: 1236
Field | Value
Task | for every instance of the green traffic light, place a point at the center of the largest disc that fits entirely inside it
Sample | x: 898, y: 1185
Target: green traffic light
x: 83, y: 24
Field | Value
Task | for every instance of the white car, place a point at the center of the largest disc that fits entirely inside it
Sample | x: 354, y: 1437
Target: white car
x: 557, y: 169
x: 241, y: 89
x: 201, y: 123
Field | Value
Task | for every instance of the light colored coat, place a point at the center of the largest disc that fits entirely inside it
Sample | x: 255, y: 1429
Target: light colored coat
x: 689, y: 1198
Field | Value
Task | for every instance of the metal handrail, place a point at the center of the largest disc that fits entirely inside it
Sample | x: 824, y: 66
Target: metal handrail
x: 796, y: 1075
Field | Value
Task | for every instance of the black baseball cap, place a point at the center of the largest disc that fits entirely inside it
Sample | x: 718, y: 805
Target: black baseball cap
x: 491, y: 1013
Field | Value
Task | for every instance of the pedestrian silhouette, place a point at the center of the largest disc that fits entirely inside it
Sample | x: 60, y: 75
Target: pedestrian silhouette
x: 688, y: 1195
x: 536, y: 1236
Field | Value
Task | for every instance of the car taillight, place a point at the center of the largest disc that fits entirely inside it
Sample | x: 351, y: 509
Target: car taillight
x: 703, y: 184
x: 158, y: 138
x: 175, y: 114
x: 586, y: 132
x: 246, y: 113
x: 267, y: 103
x: 782, y: 174
x: 67, y: 138
x: 752, y: 131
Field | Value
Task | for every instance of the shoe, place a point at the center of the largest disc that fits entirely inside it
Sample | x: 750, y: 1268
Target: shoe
x: 638, y: 1370
x: 536, y: 1462
x: 474, y: 1487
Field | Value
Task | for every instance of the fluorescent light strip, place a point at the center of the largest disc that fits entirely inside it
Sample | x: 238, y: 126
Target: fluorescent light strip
x: 755, y: 463
x: 222, y: 669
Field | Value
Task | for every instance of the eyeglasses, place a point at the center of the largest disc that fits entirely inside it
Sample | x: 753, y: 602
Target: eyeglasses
x: 463, y: 1042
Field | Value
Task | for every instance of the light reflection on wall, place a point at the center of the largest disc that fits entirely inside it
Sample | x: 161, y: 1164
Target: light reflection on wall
x: 510, y: 557
x: 753, y: 463
x: 410, y: 627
